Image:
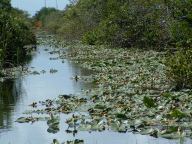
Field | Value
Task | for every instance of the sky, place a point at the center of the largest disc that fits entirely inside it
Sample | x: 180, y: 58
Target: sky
x: 32, y: 6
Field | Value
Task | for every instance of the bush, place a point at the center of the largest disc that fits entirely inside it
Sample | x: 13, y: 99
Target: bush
x: 181, y: 34
x: 135, y: 23
x: 43, y: 13
x: 91, y: 37
x: 14, y: 35
x: 153, y: 24
x: 180, y: 68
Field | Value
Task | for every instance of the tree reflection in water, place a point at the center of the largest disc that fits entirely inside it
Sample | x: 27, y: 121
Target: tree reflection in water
x: 10, y: 91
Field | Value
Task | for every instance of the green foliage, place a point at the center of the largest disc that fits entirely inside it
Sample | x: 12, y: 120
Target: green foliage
x: 176, y: 113
x: 5, y: 4
x: 181, y: 34
x: 149, y: 102
x: 153, y: 24
x: 135, y: 24
x: 14, y: 34
x: 91, y: 37
x: 121, y: 116
x: 180, y: 68
x: 77, y: 19
x: 181, y: 28
x: 43, y: 13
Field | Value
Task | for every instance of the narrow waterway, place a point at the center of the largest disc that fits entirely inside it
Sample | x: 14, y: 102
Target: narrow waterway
x: 16, y: 95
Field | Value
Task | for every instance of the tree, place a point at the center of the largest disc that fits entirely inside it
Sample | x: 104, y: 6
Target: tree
x: 5, y: 4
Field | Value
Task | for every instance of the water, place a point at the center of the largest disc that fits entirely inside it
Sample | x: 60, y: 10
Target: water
x: 16, y: 95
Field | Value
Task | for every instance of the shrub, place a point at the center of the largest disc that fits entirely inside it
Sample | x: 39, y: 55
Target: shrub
x: 14, y: 35
x: 181, y: 33
x: 91, y: 37
x: 43, y: 13
x: 180, y: 68
x: 135, y: 23
x: 153, y: 24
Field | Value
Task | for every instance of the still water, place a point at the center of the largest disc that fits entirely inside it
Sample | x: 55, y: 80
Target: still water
x: 16, y: 95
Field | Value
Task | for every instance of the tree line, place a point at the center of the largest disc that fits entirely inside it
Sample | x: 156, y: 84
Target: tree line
x: 156, y: 24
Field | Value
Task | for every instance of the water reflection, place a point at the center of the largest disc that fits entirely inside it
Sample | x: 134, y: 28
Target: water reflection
x: 9, y: 94
x: 16, y: 95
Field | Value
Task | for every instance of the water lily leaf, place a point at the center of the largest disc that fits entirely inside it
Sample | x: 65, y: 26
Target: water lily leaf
x: 55, y: 141
x: 65, y: 96
x: 54, y: 129
x: 166, y: 94
x: 76, y: 141
x: 99, y: 106
x: 151, y: 132
x: 139, y: 124
x: 176, y: 113
x: 27, y: 119
x: 114, y: 126
x: 149, y: 102
x: 85, y: 127
x: 121, y: 116
x: 22, y: 120
x: 171, y: 135
x: 53, y: 124
x: 96, y: 127
x: 123, y: 129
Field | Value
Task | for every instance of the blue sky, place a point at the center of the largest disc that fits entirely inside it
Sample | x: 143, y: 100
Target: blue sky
x: 35, y: 5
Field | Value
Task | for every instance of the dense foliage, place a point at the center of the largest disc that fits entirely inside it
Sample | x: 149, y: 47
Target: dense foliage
x: 153, y: 24
x: 14, y: 34
x: 180, y: 68
x: 43, y: 14
x: 136, y: 23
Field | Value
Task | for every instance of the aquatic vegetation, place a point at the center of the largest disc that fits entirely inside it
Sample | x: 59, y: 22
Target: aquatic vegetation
x: 64, y: 104
x: 34, y: 104
x: 131, y: 93
x: 14, y: 72
x: 55, y: 141
x: 35, y: 73
x: 76, y: 141
x: 53, y: 124
x: 54, y: 58
x: 31, y: 119
x: 53, y: 70
x: 76, y: 77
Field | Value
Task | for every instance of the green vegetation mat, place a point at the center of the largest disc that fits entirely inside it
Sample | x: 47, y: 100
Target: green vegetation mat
x: 131, y: 93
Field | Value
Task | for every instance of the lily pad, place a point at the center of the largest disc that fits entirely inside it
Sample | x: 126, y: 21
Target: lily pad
x: 149, y: 102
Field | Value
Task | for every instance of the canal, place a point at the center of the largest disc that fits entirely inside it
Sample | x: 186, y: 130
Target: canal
x: 41, y: 84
